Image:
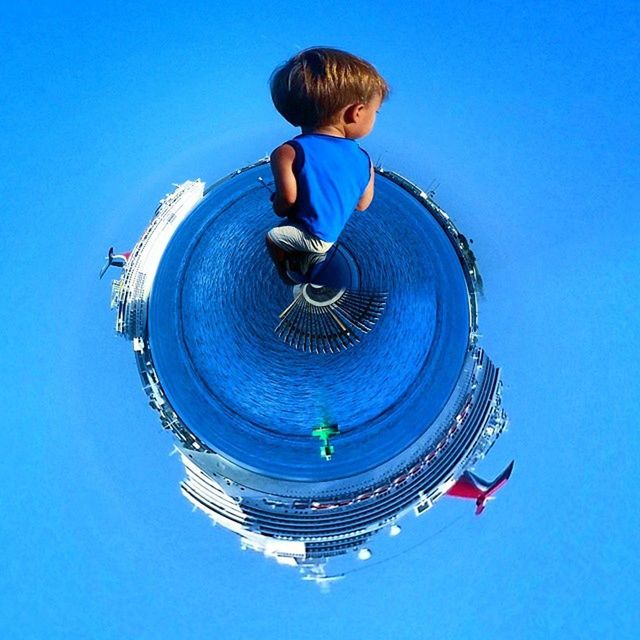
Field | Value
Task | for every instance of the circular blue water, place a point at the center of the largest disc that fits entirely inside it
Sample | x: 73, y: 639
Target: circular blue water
x: 237, y: 386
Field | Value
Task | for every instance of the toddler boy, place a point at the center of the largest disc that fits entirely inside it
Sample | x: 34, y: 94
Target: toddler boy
x: 321, y: 175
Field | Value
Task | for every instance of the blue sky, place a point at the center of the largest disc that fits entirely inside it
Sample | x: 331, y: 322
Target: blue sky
x: 526, y: 114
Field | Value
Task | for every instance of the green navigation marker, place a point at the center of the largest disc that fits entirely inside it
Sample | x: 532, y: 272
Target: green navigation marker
x: 324, y: 432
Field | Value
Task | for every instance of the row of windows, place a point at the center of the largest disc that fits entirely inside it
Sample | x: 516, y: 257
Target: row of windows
x: 343, y: 519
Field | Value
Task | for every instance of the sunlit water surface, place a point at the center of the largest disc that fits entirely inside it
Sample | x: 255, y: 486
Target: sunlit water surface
x: 245, y: 392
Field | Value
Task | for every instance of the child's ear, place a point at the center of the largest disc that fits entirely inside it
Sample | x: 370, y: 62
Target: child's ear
x: 353, y: 112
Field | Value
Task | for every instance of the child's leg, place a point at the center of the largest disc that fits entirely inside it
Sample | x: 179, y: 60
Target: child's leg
x: 294, y: 249
x: 279, y: 257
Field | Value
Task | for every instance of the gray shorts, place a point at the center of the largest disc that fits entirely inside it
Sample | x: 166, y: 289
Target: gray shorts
x: 291, y: 238
x: 309, y: 250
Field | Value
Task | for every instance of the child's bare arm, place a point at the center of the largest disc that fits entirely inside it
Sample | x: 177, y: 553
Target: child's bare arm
x: 285, y: 181
x: 367, y: 196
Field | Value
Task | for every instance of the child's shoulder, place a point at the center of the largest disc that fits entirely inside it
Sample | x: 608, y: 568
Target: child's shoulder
x: 284, y: 153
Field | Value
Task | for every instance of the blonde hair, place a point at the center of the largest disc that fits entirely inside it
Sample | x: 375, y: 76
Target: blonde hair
x: 310, y: 89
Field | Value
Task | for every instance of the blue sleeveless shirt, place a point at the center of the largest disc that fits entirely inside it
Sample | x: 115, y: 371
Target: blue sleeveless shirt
x: 331, y: 174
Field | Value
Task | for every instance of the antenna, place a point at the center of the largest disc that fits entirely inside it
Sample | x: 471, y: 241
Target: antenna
x: 432, y: 188
x: 265, y: 185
